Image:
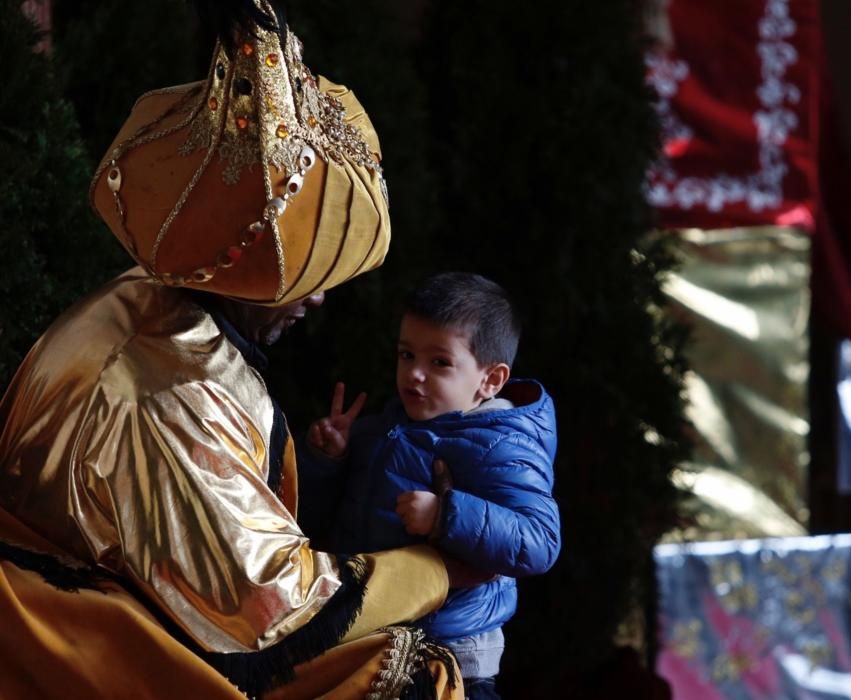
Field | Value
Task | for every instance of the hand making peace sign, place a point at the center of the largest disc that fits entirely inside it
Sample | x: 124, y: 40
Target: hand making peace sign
x: 330, y: 435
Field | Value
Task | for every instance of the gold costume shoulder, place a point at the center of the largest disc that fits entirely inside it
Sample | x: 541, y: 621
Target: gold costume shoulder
x: 135, y: 436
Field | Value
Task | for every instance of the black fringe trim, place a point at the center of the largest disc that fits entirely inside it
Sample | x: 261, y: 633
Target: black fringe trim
x: 258, y: 671
x: 423, y: 684
x: 59, y: 574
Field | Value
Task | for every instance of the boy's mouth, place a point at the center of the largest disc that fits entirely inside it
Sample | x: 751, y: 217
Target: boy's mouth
x: 414, y: 394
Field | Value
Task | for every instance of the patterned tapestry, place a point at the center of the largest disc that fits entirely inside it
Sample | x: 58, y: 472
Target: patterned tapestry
x: 756, y: 619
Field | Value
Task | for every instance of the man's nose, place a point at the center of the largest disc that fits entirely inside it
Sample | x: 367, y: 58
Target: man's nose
x: 315, y: 299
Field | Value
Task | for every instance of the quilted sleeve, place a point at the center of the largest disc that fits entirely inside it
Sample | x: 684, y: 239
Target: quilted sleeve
x: 510, y: 525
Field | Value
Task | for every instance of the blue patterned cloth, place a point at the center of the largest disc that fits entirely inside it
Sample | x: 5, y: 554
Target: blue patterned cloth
x: 756, y: 619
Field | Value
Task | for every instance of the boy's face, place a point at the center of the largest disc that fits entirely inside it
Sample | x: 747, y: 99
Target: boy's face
x: 436, y: 373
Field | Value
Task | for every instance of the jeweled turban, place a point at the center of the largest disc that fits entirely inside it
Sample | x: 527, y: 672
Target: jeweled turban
x: 262, y: 183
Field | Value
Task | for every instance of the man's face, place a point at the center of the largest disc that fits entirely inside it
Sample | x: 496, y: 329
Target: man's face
x: 436, y: 372
x: 265, y: 324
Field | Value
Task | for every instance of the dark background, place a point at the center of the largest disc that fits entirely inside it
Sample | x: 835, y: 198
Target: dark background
x: 515, y: 139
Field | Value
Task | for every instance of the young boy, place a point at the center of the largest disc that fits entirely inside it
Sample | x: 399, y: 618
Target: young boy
x: 366, y: 483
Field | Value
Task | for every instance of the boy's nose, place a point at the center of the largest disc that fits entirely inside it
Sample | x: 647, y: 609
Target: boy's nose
x: 417, y: 374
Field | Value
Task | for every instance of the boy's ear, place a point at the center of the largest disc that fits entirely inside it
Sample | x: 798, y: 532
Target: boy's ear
x: 494, y: 380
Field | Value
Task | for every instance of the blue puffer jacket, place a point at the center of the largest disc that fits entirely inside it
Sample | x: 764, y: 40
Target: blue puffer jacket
x: 499, y: 516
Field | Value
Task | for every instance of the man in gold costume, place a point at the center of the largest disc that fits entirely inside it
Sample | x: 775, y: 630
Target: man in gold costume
x: 148, y: 541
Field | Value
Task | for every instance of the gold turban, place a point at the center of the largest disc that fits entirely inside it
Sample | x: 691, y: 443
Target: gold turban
x: 261, y: 184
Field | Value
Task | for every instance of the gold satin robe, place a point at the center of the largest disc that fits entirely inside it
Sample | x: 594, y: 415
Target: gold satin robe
x: 135, y: 436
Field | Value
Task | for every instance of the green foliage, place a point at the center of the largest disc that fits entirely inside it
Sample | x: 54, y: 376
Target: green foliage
x: 53, y: 248
x: 109, y: 53
x: 58, y: 114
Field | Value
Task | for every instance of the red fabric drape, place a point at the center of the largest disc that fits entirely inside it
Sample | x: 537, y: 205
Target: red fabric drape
x: 752, y: 134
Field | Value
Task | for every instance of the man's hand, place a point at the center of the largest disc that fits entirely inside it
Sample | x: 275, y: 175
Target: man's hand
x: 463, y: 575
x: 330, y: 435
x: 441, y: 478
x: 418, y: 510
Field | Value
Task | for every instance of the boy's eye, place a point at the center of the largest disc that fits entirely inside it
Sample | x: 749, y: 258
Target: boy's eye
x: 440, y: 362
x: 405, y: 355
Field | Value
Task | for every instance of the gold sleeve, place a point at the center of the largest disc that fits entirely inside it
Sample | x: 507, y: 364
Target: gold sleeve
x: 184, y: 497
x: 135, y: 437
x: 402, y: 586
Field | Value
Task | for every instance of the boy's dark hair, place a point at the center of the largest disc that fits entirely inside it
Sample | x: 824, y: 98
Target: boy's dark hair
x: 472, y: 303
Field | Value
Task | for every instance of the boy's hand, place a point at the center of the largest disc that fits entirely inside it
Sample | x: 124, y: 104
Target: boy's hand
x: 330, y: 435
x: 418, y: 510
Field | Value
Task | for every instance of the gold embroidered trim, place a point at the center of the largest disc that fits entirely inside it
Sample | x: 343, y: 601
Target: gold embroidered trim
x: 291, y: 111
x: 140, y: 137
x: 194, y: 86
x: 208, y: 157
x: 273, y: 221
x: 401, y: 660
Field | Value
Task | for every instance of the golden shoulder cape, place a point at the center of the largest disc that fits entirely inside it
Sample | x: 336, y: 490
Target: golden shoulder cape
x: 135, y: 437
